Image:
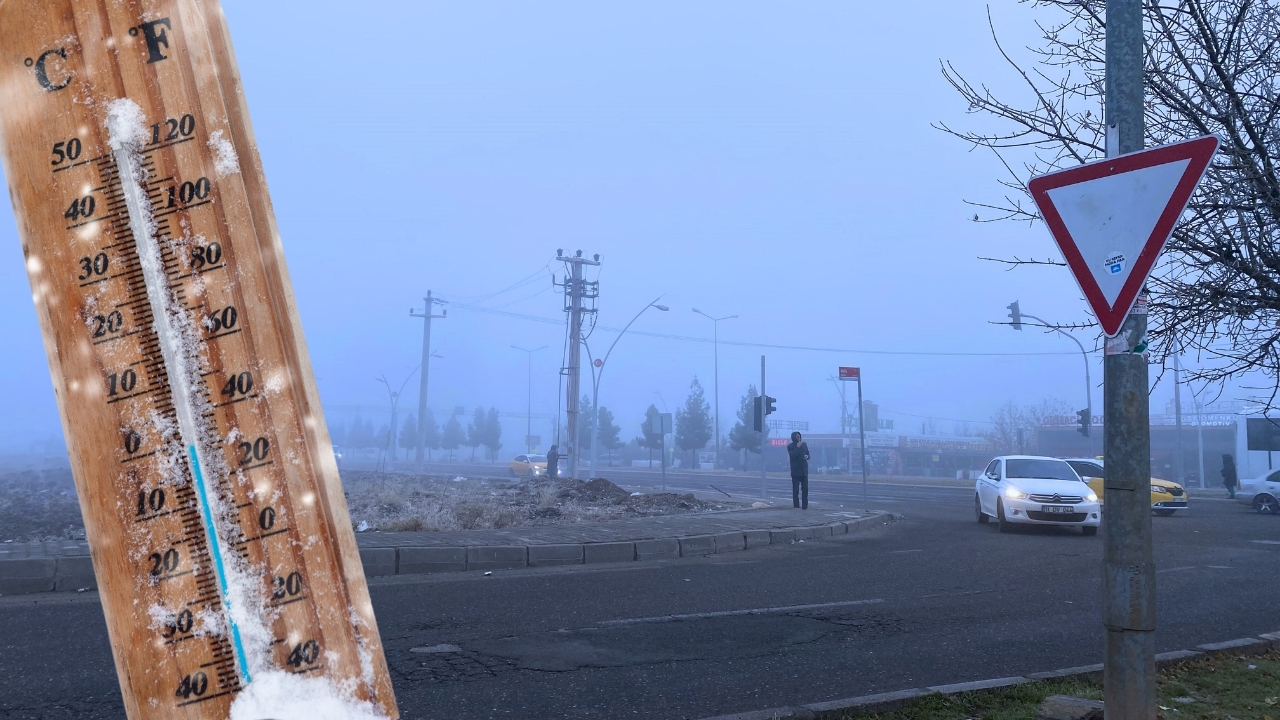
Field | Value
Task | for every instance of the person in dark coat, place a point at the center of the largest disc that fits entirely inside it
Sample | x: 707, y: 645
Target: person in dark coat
x: 553, y: 461
x: 798, y: 454
x: 1229, y: 477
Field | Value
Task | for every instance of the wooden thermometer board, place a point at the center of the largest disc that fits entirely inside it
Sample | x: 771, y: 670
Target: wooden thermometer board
x: 214, y: 512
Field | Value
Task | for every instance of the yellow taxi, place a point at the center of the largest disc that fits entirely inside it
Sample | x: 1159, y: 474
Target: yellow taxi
x: 529, y: 466
x: 1167, y: 497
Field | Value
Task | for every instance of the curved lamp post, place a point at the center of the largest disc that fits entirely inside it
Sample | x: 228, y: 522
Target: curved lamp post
x: 598, y: 371
x: 716, y: 345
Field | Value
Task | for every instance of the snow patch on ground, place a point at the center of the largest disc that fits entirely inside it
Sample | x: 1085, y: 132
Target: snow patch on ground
x: 284, y: 696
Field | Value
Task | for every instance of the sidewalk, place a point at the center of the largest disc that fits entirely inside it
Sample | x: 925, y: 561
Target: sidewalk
x: 65, y: 565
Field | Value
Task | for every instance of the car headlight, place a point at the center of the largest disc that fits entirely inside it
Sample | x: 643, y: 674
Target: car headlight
x: 1015, y: 493
x: 1158, y: 489
x: 1092, y: 496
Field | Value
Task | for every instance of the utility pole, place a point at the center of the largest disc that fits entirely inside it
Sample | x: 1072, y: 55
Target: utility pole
x: 576, y: 290
x: 428, y: 313
x: 862, y: 436
x: 1178, y: 463
x: 1128, y: 573
x: 764, y: 435
x: 715, y: 343
x: 528, y: 426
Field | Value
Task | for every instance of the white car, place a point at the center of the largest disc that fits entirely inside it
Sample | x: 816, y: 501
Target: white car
x: 1035, y: 491
x: 1261, y: 493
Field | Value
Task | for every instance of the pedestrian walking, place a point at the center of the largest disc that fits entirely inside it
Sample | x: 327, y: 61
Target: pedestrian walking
x: 798, y: 454
x: 1229, y: 477
x: 553, y: 462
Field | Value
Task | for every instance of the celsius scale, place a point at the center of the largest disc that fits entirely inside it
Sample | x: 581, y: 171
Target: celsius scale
x: 220, y: 536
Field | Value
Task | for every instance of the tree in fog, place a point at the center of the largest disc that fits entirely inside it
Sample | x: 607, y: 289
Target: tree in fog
x: 608, y: 433
x: 1212, y: 66
x: 693, y: 423
x: 1010, y: 418
x: 492, y: 433
x: 648, y: 438
x: 475, y: 432
x: 743, y: 435
x: 430, y: 433
x: 452, y: 437
x: 409, y: 433
x: 361, y: 434
x: 338, y: 434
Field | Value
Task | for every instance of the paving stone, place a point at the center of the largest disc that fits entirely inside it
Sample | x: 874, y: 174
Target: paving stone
x: 979, y: 685
x: 610, y: 552
x: 697, y: 545
x: 756, y: 538
x: 729, y: 542
x: 1175, y: 656
x: 75, y: 573
x: 1244, y: 646
x: 1081, y: 671
x: 424, y: 560
x: 28, y: 575
x: 1066, y: 707
x: 782, y: 537
x: 660, y: 549
x: 378, y: 561
x: 548, y: 555
x: 819, y: 532
x: 497, y: 557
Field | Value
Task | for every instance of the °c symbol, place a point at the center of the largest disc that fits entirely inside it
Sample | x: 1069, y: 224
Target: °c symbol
x: 28, y: 62
x: 42, y: 72
x: 133, y: 32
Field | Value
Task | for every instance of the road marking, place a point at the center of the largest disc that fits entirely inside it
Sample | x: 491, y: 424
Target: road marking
x: 436, y: 649
x: 899, y: 552
x: 1266, y: 542
x: 735, y: 613
x: 1176, y: 569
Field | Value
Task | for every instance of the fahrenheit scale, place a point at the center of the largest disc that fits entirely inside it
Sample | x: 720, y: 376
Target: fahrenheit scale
x: 225, y: 558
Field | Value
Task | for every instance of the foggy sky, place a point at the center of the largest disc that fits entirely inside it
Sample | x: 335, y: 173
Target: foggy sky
x: 774, y: 161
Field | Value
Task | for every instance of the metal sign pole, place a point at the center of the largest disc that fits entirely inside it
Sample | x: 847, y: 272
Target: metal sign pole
x: 862, y: 437
x: 1129, y: 579
x: 764, y: 435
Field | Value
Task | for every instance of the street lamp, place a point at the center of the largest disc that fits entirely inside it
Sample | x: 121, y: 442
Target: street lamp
x: 1016, y: 314
x: 597, y: 371
x: 715, y: 323
x: 528, y: 430
x: 395, y: 400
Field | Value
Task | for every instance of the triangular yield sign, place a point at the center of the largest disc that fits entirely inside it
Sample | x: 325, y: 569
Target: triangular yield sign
x: 1111, y: 218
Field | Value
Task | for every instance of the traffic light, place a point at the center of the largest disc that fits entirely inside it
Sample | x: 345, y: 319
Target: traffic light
x: 1085, y: 421
x: 764, y: 406
x: 759, y: 424
x: 1015, y: 317
x: 769, y: 407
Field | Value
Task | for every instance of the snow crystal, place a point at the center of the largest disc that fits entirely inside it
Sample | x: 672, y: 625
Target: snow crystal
x: 224, y: 155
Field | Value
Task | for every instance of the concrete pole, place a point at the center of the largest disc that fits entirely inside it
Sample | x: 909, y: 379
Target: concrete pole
x: 764, y: 435
x: 1178, y: 467
x: 1200, y: 437
x: 419, y: 451
x: 574, y: 369
x: 715, y: 344
x: 1128, y: 572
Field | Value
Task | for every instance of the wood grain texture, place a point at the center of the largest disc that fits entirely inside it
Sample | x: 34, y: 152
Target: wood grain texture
x: 283, y: 523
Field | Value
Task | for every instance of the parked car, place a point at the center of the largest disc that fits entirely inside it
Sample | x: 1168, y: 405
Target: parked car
x: 1167, y: 497
x: 529, y: 465
x: 1035, y: 491
x: 1261, y: 493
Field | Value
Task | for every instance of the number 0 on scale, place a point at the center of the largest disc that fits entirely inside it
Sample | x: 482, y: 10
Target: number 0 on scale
x: 226, y: 563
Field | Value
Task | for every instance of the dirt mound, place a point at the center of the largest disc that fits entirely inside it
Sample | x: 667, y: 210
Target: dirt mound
x: 431, y: 503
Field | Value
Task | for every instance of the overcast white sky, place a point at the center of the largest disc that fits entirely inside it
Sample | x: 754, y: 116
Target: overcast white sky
x: 774, y: 161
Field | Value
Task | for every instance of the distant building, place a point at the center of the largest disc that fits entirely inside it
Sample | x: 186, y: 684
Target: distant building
x: 1060, y: 437
x: 887, y: 454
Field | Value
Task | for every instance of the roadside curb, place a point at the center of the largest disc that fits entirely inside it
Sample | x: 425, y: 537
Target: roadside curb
x: 75, y: 572
x: 892, y: 701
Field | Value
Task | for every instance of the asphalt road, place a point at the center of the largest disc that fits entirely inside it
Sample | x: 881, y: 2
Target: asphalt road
x: 933, y: 599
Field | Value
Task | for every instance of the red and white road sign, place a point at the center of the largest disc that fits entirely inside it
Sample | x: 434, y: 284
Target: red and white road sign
x: 850, y: 373
x: 1112, y: 218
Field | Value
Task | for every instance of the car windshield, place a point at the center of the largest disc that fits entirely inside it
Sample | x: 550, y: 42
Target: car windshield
x: 537, y: 458
x: 1043, y: 469
x: 1086, y: 469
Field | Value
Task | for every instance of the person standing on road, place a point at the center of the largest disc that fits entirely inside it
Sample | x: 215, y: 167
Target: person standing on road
x: 798, y: 454
x: 1229, y: 477
x: 553, y: 462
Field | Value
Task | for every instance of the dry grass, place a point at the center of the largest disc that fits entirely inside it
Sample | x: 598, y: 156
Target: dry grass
x: 394, y: 503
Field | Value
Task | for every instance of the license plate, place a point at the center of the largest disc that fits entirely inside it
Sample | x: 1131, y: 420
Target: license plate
x: 1057, y: 509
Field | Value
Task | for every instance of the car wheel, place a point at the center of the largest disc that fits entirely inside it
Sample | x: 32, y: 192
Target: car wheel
x: 983, y: 518
x: 1164, y: 512
x: 1089, y: 530
x: 1266, y: 504
x: 1005, y: 525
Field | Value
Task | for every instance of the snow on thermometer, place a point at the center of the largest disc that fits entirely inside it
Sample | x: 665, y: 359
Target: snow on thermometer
x: 226, y: 564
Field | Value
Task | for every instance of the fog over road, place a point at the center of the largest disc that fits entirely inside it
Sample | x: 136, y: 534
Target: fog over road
x: 933, y: 599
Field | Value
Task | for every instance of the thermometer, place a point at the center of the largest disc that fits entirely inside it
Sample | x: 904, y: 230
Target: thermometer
x: 226, y: 562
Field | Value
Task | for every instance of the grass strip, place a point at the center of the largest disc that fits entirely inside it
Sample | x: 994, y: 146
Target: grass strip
x: 1225, y: 687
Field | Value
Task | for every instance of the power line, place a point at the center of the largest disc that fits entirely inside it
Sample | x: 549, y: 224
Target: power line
x: 688, y: 338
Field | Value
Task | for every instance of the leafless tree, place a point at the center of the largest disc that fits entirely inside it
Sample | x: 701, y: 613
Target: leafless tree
x: 1002, y: 433
x: 1212, y: 67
